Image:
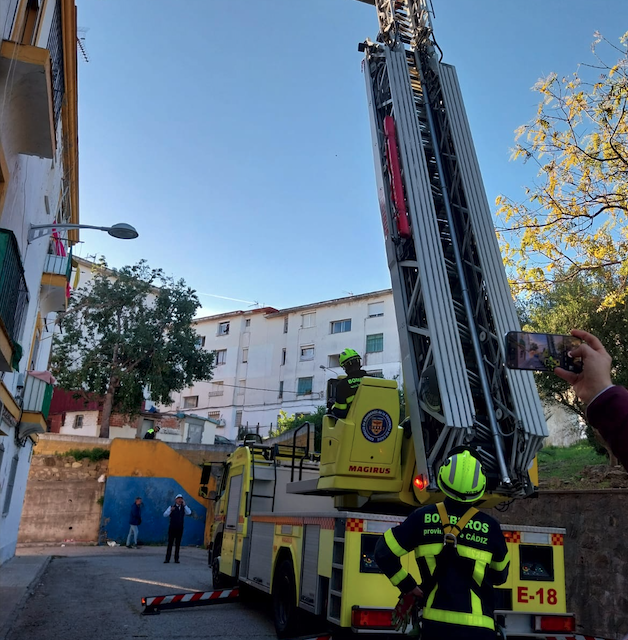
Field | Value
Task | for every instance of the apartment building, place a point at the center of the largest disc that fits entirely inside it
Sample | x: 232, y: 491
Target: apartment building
x: 270, y: 360
x: 38, y: 186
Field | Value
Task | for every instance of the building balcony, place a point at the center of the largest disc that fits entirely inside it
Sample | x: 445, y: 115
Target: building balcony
x: 13, y: 301
x: 54, y: 283
x: 38, y: 389
x: 26, y: 76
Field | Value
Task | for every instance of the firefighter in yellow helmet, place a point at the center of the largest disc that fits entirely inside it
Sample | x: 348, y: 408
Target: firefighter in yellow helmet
x: 461, y: 554
x: 350, y: 361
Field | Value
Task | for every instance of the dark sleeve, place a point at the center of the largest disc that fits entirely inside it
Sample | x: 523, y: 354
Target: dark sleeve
x: 340, y: 408
x: 608, y: 413
x: 497, y: 571
x: 394, y: 544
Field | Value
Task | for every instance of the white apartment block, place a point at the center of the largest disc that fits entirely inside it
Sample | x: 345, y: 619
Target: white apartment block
x: 270, y: 360
x: 38, y: 186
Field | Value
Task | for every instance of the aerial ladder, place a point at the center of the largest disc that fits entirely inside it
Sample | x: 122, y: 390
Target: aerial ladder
x: 452, y: 299
x: 301, y: 525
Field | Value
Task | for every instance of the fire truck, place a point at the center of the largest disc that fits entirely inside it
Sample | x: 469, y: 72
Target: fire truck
x: 301, y: 525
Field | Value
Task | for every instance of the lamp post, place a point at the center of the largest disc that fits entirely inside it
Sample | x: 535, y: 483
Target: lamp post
x: 122, y: 230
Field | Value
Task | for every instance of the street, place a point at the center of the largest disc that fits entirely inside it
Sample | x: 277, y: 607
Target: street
x: 94, y: 593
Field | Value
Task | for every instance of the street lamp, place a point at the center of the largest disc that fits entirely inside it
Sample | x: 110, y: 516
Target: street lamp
x: 122, y: 230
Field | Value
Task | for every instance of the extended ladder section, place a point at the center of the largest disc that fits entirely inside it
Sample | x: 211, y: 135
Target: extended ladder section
x: 451, y: 294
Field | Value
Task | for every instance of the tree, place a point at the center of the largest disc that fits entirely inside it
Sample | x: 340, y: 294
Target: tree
x: 575, y: 218
x: 126, y: 331
x: 286, y: 423
x: 575, y: 301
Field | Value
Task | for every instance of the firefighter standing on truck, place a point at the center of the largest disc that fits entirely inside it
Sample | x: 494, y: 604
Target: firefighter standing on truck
x: 345, y: 391
x: 461, y: 554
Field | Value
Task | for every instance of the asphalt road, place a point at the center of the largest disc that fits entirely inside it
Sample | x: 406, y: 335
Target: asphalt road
x: 95, y: 594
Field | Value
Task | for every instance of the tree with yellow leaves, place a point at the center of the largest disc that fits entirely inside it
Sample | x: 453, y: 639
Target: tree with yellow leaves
x: 575, y: 217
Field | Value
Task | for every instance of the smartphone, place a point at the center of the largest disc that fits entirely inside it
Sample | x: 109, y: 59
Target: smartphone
x: 541, y: 351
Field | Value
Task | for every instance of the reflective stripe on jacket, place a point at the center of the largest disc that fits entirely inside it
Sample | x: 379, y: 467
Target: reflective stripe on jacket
x: 464, y: 594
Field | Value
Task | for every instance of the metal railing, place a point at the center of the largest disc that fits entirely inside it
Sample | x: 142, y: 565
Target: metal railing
x: 55, y: 47
x: 59, y: 265
x: 37, y: 396
x: 13, y: 289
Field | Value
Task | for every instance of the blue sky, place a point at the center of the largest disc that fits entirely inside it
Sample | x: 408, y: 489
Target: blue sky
x: 234, y: 135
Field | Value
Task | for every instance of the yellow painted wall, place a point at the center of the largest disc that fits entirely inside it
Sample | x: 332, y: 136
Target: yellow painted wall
x: 154, y: 459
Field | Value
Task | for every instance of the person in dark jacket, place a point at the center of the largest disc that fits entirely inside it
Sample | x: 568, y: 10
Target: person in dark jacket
x: 177, y: 513
x: 345, y: 391
x: 459, y: 571
x: 607, y: 404
x: 135, y: 521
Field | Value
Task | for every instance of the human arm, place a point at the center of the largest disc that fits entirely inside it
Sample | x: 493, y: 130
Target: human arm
x: 167, y: 512
x: 497, y: 570
x: 393, y: 545
x: 607, y: 409
x: 188, y: 511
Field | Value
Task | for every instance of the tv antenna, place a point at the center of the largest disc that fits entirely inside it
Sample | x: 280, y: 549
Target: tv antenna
x: 80, y: 40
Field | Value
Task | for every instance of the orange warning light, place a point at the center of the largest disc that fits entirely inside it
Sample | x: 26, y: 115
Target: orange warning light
x: 420, y: 482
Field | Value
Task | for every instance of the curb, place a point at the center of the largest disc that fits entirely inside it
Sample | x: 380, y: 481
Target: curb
x: 4, y: 632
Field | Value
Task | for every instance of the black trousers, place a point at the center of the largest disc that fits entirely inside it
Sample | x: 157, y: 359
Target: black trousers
x: 174, y: 535
x: 441, y: 631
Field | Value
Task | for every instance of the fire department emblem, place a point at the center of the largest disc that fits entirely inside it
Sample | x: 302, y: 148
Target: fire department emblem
x: 376, y: 425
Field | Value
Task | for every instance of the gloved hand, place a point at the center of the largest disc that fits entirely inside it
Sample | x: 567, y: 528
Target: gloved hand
x: 406, y: 613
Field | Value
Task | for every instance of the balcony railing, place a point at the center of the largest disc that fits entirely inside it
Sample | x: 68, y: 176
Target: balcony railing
x: 37, y: 395
x: 13, y: 290
x: 55, y: 46
x: 59, y: 265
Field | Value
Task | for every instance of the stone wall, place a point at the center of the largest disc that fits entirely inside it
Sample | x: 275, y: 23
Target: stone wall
x: 596, y: 553
x: 62, y: 500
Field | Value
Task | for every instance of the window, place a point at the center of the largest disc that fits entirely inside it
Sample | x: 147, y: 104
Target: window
x: 283, y: 356
x: 190, y: 402
x: 221, y: 356
x: 78, y: 422
x: 285, y: 324
x: 308, y: 320
x: 245, y: 354
x: 200, y: 341
x: 1, y: 456
x: 217, y: 389
x: 375, y: 343
x: 241, y: 387
x: 376, y: 309
x: 35, y: 352
x: 247, y: 322
x: 223, y: 328
x: 304, y: 386
x: 307, y: 352
x: 340, y: 326
x: 238, y: 422
x: 280, y: 389
x: 31, y: 22
x: 214, y: 415
x: 378, y: 373
x: 10, y: 483
x: 333, y: 360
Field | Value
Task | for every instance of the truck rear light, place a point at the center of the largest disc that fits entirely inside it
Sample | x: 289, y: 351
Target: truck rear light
x: 371, y: 618
x: 420, y: 482
x: 555, y: 624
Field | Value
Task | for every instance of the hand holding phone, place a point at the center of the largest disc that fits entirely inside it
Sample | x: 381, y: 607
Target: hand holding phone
x: 542, y: 351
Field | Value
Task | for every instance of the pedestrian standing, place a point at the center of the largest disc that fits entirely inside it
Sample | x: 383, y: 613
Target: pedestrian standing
x: 177, y: 513
x: 135, y: 521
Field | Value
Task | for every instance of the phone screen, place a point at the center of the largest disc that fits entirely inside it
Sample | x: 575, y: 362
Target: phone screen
x: 541, y: 351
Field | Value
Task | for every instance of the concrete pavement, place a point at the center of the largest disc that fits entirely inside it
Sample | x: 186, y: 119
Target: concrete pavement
x: 21, y: 576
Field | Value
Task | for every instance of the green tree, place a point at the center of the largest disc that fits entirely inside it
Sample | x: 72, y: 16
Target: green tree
x: 126, y: 331
x: 288, y: 422
x: 576, y: 301
x: 575, y: 216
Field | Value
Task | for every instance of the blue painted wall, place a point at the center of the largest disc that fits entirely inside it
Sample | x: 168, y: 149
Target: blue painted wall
x: 157, y: 494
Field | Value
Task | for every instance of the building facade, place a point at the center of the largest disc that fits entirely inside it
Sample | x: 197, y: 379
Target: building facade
x: 270, y: 360
x: 38, y: 186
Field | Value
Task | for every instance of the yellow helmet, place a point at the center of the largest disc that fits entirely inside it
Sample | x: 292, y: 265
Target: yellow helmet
x: 462, y: 478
